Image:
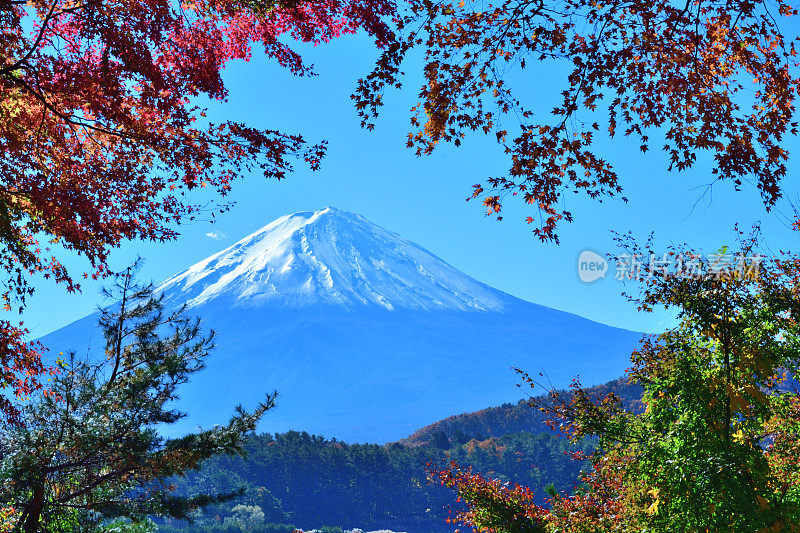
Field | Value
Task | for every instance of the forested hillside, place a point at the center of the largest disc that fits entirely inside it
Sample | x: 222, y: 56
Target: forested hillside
x: 309, y: 481
x: 513, y: 418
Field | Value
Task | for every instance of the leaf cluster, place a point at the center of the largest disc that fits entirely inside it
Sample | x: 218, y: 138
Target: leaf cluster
x: 715, y: 77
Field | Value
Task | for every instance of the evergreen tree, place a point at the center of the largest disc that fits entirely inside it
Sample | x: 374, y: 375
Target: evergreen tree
x: 88, y: 447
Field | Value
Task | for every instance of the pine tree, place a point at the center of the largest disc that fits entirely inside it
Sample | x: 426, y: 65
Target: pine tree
x: 90, y: 447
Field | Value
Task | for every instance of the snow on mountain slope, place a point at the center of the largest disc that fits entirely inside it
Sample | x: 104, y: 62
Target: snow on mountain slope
x: 330, y: 257
x: 366, y: 336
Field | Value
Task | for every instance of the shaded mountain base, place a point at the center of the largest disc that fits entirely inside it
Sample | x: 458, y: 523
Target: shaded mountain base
x: 372, y: 375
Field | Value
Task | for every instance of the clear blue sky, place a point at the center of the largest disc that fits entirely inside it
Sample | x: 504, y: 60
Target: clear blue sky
x: 423, y: 199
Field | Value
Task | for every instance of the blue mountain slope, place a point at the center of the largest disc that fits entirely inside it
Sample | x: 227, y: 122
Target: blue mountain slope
x: 366, y: 336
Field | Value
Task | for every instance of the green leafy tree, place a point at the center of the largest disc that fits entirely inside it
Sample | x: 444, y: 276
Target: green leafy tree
x: 702, y: 455
x: 89, y: 448
x: 717, y: 446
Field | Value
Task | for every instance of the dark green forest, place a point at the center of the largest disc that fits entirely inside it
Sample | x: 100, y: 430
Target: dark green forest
x: 308, y: 481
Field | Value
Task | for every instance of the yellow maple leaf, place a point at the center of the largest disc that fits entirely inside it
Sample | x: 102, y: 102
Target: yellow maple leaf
x: 653, y: 509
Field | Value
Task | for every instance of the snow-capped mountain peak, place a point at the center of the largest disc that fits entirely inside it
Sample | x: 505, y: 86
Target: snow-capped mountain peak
x: 301, y: 306
x: 330, y: 256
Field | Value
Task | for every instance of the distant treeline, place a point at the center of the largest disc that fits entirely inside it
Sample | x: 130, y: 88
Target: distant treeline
x: 299, y: 480
x: 309, y: 481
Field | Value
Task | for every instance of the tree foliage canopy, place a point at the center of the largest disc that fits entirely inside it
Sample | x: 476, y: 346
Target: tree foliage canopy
x: 717, y: 445
x: 100, y: 134
x: 709, y: 76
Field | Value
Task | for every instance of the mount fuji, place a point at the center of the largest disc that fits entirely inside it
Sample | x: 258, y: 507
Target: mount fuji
x: 365, y: 335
